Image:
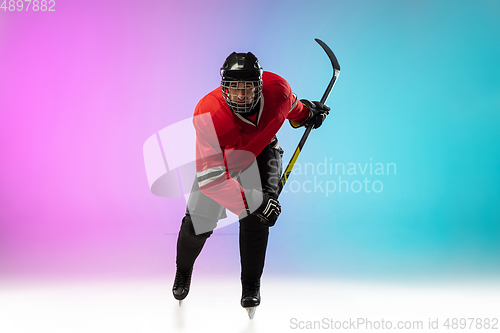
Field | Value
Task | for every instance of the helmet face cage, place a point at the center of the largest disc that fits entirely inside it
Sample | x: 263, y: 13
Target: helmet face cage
x: 240, y: 95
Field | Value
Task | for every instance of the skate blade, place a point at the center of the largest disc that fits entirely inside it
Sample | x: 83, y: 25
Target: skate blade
x: 251, y: 311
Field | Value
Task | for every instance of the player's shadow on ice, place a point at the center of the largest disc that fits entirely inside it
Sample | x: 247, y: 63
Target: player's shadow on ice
x: 180, y: 322
x: 250, y: 327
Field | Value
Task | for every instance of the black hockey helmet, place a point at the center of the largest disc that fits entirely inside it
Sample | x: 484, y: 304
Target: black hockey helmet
x: 241, y: 82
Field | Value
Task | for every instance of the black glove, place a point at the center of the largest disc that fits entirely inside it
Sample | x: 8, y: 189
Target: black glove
x: 262, y: 205
x: 318, y: 110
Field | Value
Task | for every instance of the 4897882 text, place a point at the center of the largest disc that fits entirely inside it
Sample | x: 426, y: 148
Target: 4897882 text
x: 26, y: 5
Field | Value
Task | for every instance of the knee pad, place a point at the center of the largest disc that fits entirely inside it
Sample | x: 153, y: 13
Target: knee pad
x: 188, y: 231
x: 252, y: 223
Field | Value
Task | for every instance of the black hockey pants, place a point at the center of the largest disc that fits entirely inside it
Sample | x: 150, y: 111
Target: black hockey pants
x: 253, y: 236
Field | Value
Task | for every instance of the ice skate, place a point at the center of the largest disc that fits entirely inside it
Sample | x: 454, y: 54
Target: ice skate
x: 250, y: 297
x: 251, y: 311
x: 181, y: 284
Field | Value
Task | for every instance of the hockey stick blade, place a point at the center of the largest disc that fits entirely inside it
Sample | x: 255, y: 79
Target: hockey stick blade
x: 295, y: 156
x: 336, y: 69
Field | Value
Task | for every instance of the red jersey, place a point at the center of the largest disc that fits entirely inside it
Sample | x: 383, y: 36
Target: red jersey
x: 227, y: 142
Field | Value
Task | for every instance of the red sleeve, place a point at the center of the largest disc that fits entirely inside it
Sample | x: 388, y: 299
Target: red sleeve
x: 211, y: 167
x: 298, y: 113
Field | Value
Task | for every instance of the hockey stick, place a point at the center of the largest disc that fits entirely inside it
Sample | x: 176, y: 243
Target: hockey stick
x: 336, y: 72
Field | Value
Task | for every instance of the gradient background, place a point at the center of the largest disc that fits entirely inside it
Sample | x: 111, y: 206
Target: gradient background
x: 82, y: 88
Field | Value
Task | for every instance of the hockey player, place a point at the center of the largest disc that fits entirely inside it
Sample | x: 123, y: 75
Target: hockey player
x: 236, y: 126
